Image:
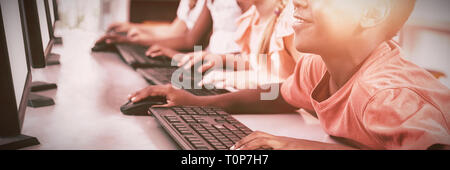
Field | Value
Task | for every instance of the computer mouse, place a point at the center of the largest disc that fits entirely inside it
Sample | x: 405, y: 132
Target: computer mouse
x: 103, y: 47
x: 141, y: 108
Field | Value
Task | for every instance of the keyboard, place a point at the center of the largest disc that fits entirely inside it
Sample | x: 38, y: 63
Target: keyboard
x: 200, y: 128
x: 158, y: 75
x: 163, y: 75
x: 134, y: 55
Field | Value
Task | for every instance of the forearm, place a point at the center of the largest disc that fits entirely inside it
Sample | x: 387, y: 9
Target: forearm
x: 248, y: 102
x: 161, y: 31
x: 176, y: 43
x: 313, y: 145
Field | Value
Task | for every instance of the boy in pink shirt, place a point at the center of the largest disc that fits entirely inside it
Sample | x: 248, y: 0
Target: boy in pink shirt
x: 360, y: 87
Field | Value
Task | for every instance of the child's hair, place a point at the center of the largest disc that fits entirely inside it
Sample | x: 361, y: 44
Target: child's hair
x: 263, y: 47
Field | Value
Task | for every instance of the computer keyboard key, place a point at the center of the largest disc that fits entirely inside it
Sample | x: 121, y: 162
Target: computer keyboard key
x: 247, y: 131
x: 178, y: 124
x: 210, y: 138
x: 201, y: 148
x: 213, y: 141
x: 186, y: 132
x: 234, y: 139
x: 226, y: 140
x: 191, y: 137
x: 191, y: 121
x: 228, y: 144
x: 203, y: 132
x: 221, y: 148
x: 218, y: 126
x: 220, y: 120
x: 230, y: 127
x: 222, y: 113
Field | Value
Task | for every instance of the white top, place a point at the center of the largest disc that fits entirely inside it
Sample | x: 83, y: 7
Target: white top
x: 187, y: 15
x: 224, y: 14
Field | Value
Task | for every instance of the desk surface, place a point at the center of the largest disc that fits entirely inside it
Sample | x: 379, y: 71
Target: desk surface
x: 91, y: 89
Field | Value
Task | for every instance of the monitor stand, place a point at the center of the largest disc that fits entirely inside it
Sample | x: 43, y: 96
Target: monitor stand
x: 35, y: 101
x: 42, y: 86
x: 17, y: 142
x: 58, y: 40
x: 52, y: 59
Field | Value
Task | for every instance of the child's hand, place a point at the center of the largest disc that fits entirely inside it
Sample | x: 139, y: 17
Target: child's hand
x: 188, y: 60
x: 260, y: 140
x: 139, y: 36
x: 134, y: 36
x: 120, y: 27
x: 175, y: 97
x: 113, y: 38
x: 158, y: 50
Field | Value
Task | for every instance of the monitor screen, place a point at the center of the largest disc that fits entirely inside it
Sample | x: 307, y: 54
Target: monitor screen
x: 43, y: 23
x: 52, y: 12
x: 16, y: 46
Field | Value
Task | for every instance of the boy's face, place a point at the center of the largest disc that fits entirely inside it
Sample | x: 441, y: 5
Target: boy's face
x: 322, y: 24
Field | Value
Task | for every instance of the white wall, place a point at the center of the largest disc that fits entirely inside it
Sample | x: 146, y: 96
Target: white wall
x: 92, y: 15
x: 429, y: 47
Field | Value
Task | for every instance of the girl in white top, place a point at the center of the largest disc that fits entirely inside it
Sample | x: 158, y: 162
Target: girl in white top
x: 140, y: 33
x: 218, y: 18
x: 189, y: 10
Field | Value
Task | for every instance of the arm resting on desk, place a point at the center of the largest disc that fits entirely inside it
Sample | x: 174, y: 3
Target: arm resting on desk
x: 241, y: 102
x: 249, y: 102
x: 261, y: 140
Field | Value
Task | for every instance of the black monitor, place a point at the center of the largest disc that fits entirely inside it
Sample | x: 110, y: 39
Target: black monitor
x: 54, y: 16
x: 35, y: 39
x: 51, y: 21
x: 39, y: 27
x: 56, y: 9
x: 15, y: 75
x: 39, y: 31
x: 39, y: 45
x: 47, y: 32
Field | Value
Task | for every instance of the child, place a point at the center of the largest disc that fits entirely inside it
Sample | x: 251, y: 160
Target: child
x: 263, y: 29
x: 360, y: 87
x: 215, y: 20
x: 187, y: 14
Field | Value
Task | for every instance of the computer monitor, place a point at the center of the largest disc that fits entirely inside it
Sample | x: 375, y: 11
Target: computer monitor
x: 56, y: 9
x: 52, y: 12
x: 44, y: 25
x: 15, y: 76
x: 52, y: 17
x: 51, y: 58
x: 33, y: 32
x: 37, y: 29
x: 38, y: 41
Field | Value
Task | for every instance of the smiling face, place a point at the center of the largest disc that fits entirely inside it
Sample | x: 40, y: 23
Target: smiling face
x: 322, y: 24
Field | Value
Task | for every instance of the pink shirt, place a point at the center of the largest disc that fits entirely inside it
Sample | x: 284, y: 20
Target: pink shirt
x: 390, y: 103
x: 249, y: 35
